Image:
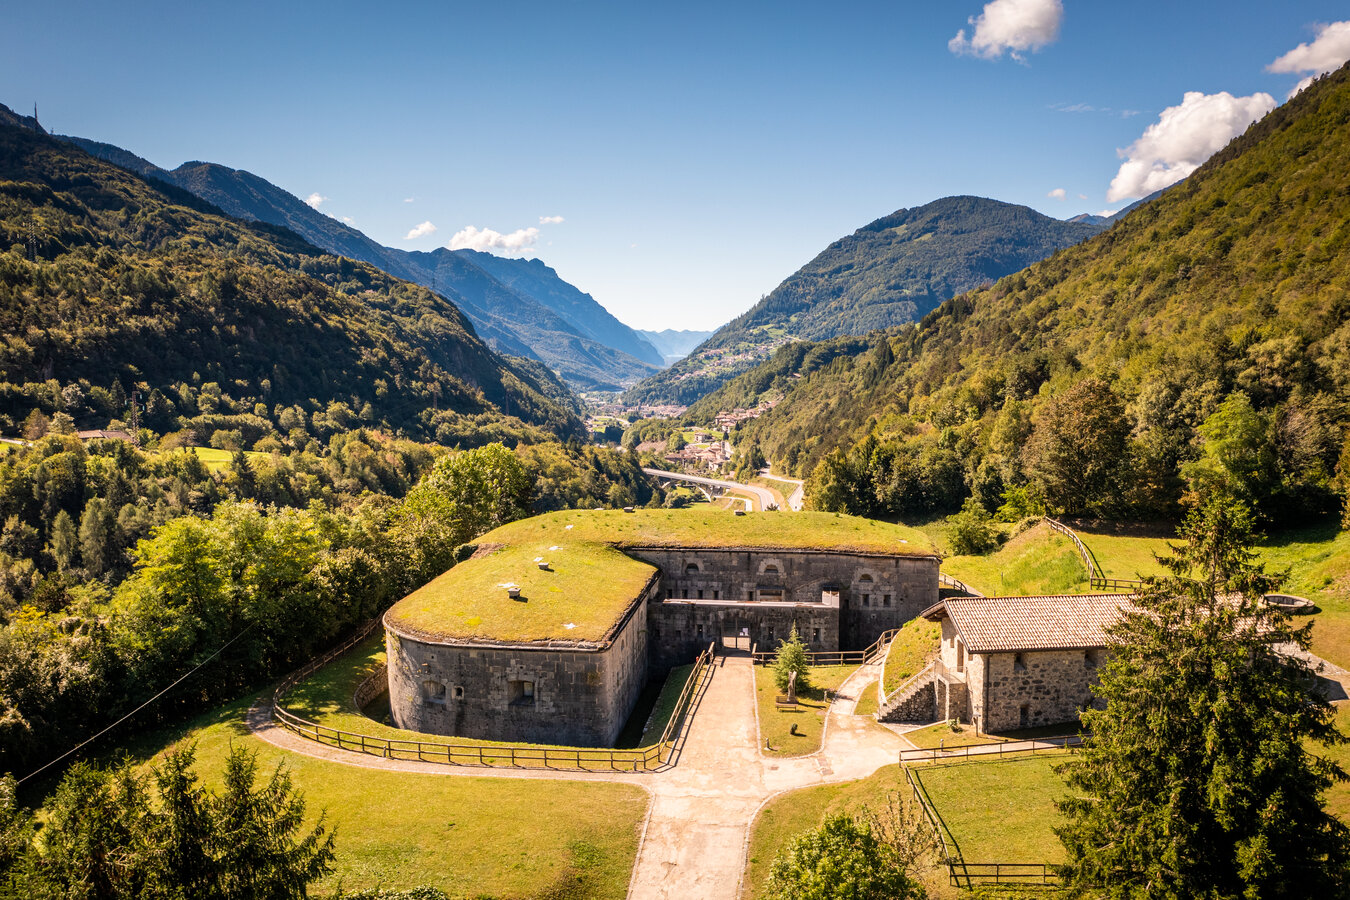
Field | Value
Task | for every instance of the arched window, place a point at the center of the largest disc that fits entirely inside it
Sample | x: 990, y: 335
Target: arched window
x: 433, y: 692
x: 865, y: 579
x: 770, y: 569
x: 691, y: 569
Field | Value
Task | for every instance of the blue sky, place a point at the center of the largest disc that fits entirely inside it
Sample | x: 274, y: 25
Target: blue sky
x: 697, y: 153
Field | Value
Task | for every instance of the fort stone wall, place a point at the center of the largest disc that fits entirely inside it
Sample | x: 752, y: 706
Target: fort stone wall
x: 537, y: 693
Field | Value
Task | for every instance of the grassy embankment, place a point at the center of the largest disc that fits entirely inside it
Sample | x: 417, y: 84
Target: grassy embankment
x: 912, y: 647
x: 215, y: 459
x: 470, y: 836
x: 775, y: 724
x: 1037, y: 561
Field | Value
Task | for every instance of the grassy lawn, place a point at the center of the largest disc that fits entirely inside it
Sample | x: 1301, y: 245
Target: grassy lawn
x: 999, y: 811
x: 775, y: 724
x: 470, y: 836
x: 910, y: 651
x: 1318, y: 559
x: 1037, y: 561
x: 1338, y: 797
x: 709, y: 528
x: 665, y: 705
x: 215, y: 460
x: 1127, y: 556
x: 579, y: 597
x: 868, y: 702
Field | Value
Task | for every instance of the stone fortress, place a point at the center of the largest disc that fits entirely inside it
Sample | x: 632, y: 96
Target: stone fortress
x: 547, y: 634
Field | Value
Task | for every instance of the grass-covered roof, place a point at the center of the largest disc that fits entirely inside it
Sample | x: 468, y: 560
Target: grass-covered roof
x: 590, y: 581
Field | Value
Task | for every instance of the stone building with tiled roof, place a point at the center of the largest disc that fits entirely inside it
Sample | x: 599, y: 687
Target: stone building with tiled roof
x: 1020, y: 662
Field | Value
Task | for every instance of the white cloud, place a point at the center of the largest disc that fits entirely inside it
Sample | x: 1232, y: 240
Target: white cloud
x: 1014, y: 26
x: 1184, y: 137
x: 409, y: 199
x: 486, y: 239
x: 551, y: 220
x: 315, y: 199
x: 1329, y: 50
x: 1106, y: 213
x: 1082, y: 196
x: 348, y: 219
x: 1058, y: 194
x: 418, y: 231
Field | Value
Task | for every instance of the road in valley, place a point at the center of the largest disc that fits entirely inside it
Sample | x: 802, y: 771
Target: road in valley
x: 763, y: 498
x: 797, y: 496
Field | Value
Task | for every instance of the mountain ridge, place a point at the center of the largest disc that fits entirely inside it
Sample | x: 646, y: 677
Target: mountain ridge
x: 584, y: 343
x: 891, y: 271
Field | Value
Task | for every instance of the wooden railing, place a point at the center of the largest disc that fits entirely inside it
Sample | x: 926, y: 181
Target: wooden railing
x: 990, y: 750
x: 832, y: 657
x: 963, y: 874
x: 1096, y: 580
x: 520, y: 756
x: 948, y: 581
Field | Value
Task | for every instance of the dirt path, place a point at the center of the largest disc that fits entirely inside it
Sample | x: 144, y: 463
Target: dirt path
x: 695, y: 840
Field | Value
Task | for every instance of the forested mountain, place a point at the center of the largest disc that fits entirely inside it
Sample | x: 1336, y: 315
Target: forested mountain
x: 675, y: 343
x: 1201, y: 342
x: 887, y: 273
x: 111, y: 284
x: 533, y: 312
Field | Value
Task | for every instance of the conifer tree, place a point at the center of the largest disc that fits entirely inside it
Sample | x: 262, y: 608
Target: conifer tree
x: 791, y: 658
x: 1203, y: 777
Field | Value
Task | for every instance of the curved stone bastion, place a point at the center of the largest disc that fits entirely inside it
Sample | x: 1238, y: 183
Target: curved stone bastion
x: 547, y: 634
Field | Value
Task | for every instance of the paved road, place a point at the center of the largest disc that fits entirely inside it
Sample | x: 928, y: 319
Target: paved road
x: 798, y: 495
x: 761, y: 496
x: 698, y: 825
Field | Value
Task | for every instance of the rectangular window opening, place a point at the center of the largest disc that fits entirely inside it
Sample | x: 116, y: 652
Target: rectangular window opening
x: 815, y: 635
x: 867, y: 599
x: 522, y: 693
x: 885, y: 599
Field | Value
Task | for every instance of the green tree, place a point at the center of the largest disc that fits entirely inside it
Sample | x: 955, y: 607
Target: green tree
x: 97, y: 534
x: 846, y: 858
x: 1080, y: 448
x: 1200, y: 779
x: 791, y: 657
x: 65, y: 542
x: 1238, y: 456
x: 476, y: 490
x: 970, y: 531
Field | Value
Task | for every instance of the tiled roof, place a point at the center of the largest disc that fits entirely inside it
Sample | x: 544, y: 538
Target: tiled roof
x: 1061, y: 622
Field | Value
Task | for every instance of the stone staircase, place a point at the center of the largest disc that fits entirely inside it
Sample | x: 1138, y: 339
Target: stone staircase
x: 913, y: 701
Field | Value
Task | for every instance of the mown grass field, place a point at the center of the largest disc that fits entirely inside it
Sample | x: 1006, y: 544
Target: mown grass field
x: 910, y: 650
x: 215, y: 459
x: 775, y: 725
x: 868, y: 701
x: 1001, y: 811
x: 1037, y: 561
x: 470, y: 836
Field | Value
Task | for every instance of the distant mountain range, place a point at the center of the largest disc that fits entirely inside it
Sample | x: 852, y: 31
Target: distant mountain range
x: 674, y: 344
x: 520, y: 307
x: 889, y: 272
x: 124, y: 283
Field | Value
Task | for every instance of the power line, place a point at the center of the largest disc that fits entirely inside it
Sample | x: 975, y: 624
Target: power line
x: 80, y: 746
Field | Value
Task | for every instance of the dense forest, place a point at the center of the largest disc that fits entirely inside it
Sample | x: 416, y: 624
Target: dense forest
x: 112, y: 286
x: 1202, y: 340
x: 892, y: 271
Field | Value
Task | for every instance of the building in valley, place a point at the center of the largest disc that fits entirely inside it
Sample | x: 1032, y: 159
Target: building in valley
x: 548, y: 633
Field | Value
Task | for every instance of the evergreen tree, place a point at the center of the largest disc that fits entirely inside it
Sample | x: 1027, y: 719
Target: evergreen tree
x: 791, y: 658
x: 64, y: 541
x: 1200, y: 779
x: 97, y: 532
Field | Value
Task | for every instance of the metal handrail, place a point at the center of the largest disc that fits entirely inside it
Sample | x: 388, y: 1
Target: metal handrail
x: 1005, y: 748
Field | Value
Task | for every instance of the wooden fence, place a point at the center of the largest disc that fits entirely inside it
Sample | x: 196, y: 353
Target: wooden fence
x: 990, y: 750
x: 490, y: 755
x: 947, y: 581
x: 1096, y: 579
x: 831, y: 657
x: 963, y: 874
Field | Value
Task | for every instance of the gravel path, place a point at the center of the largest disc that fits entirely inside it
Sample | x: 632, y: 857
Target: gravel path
x: 697, y: 832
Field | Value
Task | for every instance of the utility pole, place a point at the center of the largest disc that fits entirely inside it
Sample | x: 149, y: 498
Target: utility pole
x: 135, y: 419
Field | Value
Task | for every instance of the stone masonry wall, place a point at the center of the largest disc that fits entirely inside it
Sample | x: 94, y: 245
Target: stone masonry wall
x: 1053, y: 685
x: 769, y: 589
x: 581, y: 697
